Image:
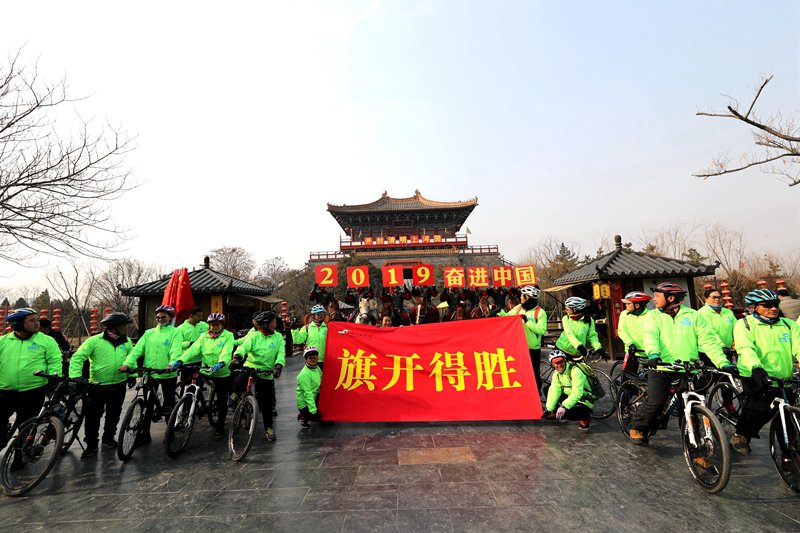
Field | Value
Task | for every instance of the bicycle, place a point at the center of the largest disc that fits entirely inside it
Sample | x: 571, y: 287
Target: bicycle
x: 728, y: 412
x: 242, y: 431
x: 133, y: 421
x: 703, y: 439
x: 193, y: 401
x: 39, y: 441
x: 785, y: 447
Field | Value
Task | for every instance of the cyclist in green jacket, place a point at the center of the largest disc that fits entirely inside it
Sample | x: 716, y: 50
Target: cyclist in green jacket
x: 307, y: 391
x: 535, y: 324
x: 106, y: 352
x: 569, y: 395
x: 23, y: 352
x: 213, y: 349
x: 629, y: 328
x: 672, y: 332
x: 578, y: 330
x: 192, y: 327
x: 768, y: 347
x: 158, y: 346
x: 315, y: 333
x: 264, y: 350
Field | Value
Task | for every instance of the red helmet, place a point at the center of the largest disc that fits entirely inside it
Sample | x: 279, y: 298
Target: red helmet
x: 635, y: 297
x: 668, y: 287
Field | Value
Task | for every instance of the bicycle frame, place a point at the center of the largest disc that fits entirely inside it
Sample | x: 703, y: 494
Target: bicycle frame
x: 195, y: 390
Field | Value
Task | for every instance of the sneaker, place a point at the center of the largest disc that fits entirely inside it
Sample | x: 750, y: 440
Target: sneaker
x: 303, y: 422
x: 89, y: 451
x: 269, y: 435
x: 584, y: 425
x: 638, y: 437
x: 109, y: 443
x: 274, y: 412
x: 740, y: 443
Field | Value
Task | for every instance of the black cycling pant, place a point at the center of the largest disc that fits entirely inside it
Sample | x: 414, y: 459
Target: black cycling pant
x: 222, y: 387
x: 99, y: 399
x: 168, y: 387
x: 658, y: 384
x: 756, y: 411
x: 26, y: 404
x: 579, y: 411
x: 264, y: 389
x: 536, y: 362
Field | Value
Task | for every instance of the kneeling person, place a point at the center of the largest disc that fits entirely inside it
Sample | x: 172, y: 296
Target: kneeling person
x: 308, y: 382
x: 569, y: 396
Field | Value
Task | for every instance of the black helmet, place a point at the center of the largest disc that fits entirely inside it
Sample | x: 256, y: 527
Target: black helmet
x: 115, y: 318
x: 265, y: 317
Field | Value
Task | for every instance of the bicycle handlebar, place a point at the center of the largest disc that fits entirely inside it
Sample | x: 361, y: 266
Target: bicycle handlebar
x: 146, y: 370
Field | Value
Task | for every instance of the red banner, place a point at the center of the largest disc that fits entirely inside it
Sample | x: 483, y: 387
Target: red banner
x: 392, y: 276
x: 478, y: 277
x: 524, y: 275
x: 326, y: 275
x: 422, y: 275
x: 476, y: 370
x: 501, y: 276
x: 358, y: 277
x: 453, y: 277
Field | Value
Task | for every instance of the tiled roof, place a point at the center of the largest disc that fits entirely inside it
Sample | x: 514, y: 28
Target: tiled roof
x: 622, y: 263
x: 203, y: 281
x: 414, y: 203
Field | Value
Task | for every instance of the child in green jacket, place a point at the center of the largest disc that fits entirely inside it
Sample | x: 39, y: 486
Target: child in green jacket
x: 308, y: 382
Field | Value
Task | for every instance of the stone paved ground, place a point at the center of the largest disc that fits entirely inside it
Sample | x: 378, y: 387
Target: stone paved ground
x: 526, y: 476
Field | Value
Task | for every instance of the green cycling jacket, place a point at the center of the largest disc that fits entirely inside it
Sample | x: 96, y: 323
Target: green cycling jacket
x: 20, y: 359
x: 574, y: 384
x: 160, y: 346
x: 771, y: 347
x: 238, y: 342
x: 308, y: 382
x: 191, y: 333
x: 312, y: 335
x: 629, y: 329
x: 263, y: 351
x: 577, y: 333
x: 722, y: 323
x: 104, y: 360
x: 681, y: 338
x: 535, y: 326
x: 210, y: 352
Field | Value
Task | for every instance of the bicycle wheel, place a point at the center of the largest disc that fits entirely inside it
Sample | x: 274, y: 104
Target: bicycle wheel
x: 130, y: 429
x: 31, y: 454
x: 546, y: 377
x: 242, y: 432
x: 179, y: 426
x: 605, y: 406
x: 72, y: 420
x: 727, y: 410
x: 630, y: 396
x: 709, y: 458
x: 211, y: 403
x: 786, y: 453
x: 616, y: 369
x: 703, y: 381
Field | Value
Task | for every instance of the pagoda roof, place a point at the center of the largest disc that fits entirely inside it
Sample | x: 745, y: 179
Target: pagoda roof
x: 624, y: 263
x: 203, y: 281
x: 412, y: 203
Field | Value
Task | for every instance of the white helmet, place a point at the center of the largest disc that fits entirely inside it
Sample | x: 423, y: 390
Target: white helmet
x: 575, y: 302
x: 530, y: 290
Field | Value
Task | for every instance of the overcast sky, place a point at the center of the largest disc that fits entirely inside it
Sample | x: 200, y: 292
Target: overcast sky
x: 567, y: 119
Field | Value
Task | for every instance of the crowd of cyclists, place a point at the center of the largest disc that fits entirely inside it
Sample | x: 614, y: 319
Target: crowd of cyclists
x: 762, y: 348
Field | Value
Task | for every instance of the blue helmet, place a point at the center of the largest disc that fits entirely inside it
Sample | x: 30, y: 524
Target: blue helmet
x: 576, y: 302
x: 317, y: 309
x: 760, y: 296
x: 19, y: 314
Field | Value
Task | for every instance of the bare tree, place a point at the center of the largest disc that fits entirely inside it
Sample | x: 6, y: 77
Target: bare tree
x: 75, y: 284
x: 779, y: 136
x: 272, y: 272
x: 56, y: 185
x: 726, y: 246
x: 233, y: 261
x: 123, y: 273
x: 674, y: 241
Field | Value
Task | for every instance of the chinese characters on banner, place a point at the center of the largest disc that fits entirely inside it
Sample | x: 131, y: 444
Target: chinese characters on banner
x: 432, y: 372
x: 422, y: 275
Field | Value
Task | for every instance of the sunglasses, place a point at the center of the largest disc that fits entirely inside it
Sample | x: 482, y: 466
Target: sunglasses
x: 769, y: 305
x: 162, y: 317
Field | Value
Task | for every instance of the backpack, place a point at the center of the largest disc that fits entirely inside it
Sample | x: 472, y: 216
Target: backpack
x: 597, y: 389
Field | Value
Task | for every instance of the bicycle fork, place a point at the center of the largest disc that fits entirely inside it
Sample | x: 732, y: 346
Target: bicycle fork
x: 690, y: 399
